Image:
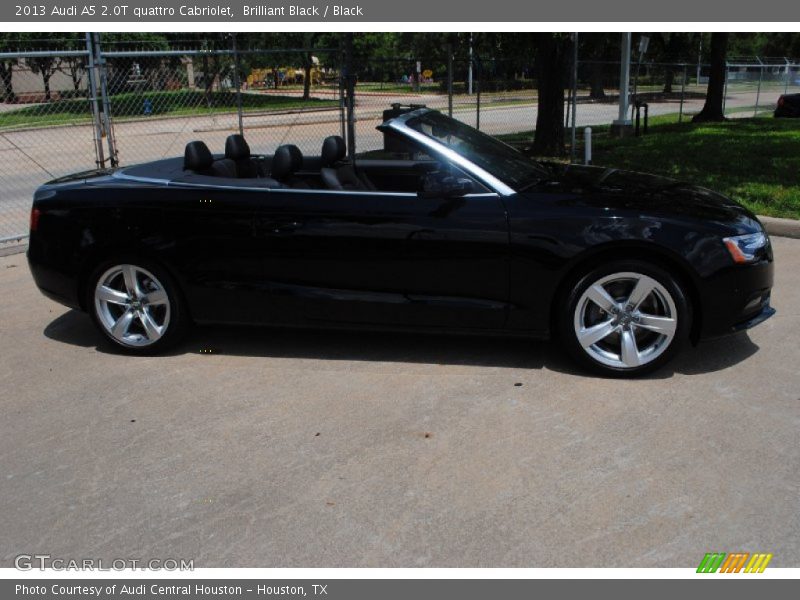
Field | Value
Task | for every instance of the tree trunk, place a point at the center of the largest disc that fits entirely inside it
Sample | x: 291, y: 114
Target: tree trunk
x: 76, y: 81
x: 597, y: 91
x: 669, y: 78
x: 307, y: 79
x: 712, y: 110
x: 552, y: 62
x: 46, y: 81
x: 6, y: 73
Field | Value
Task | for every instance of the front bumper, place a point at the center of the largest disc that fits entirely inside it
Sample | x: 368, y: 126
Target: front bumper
x: 736, y: 299
x: 765, y: 314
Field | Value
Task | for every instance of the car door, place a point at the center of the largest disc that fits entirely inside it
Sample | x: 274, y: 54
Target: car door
x: 213, y: 242
x: 389, y: 259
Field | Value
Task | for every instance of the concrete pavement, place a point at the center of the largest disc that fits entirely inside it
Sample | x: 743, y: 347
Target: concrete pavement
x: 282, y: 448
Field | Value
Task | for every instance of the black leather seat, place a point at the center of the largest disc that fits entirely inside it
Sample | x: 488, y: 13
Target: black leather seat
x: 288, y: 160
x: 238, y: 150
x: 336, y: 172
x: 198, y: 159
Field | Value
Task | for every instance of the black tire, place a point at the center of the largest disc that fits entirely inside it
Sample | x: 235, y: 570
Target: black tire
x: 155, y: 278
x: 571, y: 316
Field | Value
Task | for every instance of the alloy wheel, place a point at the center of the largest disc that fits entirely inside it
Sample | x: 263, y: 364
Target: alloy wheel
x: 132, y: 305
x: 625, y: 320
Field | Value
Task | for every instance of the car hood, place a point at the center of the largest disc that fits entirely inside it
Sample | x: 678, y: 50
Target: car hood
x: 620, y: 189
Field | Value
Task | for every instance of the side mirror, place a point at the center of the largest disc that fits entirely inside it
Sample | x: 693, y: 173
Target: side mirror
x: 438, y: 186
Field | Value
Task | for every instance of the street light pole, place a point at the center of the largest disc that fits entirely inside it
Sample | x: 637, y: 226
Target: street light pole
x: 622, y: 124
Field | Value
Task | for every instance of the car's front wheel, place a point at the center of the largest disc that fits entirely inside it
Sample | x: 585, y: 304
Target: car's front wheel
x: 625, y: 318
x: 136, y: 305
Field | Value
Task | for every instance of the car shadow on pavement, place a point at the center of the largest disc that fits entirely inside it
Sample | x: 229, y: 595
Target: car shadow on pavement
x: 75, y: 328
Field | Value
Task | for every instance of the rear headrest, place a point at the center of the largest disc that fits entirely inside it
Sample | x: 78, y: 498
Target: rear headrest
x: 333, y: 150
x: 197, y: 157
x: 287, y: 160
x: 236, y: 147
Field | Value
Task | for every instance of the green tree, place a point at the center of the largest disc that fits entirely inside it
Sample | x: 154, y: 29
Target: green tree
x: 7, y: 67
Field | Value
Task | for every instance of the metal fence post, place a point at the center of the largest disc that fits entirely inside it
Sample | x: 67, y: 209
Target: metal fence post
x: 758, y: 91
x: 349, y: 80
x: 342, y: 105
x: 725, y: 89
x: 683, y: 94
x: 449, y: 80
x: 574, y: 94
x: 237, y: 82
x: 106, y: 114
x: 96, y: 121
x: 786, y: 79
x: 478, y: 77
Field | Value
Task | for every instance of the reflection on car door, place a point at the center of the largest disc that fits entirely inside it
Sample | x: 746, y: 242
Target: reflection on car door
x: 218, y: 254
x: 390, y: 259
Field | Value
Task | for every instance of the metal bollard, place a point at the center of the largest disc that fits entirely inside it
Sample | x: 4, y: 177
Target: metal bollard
x: 587, y: 146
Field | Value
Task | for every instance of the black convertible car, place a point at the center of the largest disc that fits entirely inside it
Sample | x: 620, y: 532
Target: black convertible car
x: 449, y: 230
x: 788, y: 106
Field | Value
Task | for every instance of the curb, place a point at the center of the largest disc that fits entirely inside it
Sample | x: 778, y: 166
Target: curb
x: 781, y: 227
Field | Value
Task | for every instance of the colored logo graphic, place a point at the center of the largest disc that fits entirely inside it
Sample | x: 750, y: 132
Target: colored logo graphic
x: 735, y: 562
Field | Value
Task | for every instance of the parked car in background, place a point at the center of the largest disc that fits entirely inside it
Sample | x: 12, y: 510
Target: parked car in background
x: 788, y: 106
x: 453, y: 232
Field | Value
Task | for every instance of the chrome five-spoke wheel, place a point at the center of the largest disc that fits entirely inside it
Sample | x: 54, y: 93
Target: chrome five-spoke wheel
x: 625, y: 320
x: 132, y: 306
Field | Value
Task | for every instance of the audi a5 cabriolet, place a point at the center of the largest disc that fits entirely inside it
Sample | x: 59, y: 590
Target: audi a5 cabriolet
x: 448, y: 230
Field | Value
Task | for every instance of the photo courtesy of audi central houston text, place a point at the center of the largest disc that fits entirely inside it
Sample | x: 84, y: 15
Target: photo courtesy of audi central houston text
x: 277, y: 298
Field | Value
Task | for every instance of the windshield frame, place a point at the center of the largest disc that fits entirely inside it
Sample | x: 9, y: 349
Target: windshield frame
x: 432, y: 145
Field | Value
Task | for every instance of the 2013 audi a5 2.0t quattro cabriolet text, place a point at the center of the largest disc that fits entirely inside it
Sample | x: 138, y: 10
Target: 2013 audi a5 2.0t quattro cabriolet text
x: 447, y: 230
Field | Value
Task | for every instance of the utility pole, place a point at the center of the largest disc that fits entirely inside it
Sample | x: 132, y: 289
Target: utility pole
x: 622, y: 125
x: 469, y: 74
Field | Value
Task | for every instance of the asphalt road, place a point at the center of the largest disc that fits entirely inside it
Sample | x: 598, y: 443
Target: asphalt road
x: 311, y: 449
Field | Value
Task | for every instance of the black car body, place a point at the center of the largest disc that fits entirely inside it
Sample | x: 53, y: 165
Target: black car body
x: 788, y: 106
x: 443, y: 239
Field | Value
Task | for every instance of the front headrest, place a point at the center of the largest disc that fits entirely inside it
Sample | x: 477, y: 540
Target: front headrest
x: 333, y: 150
x: 197, y: 157
x: 236, y: 147
x: 297, y: 156
x: 286, y: 161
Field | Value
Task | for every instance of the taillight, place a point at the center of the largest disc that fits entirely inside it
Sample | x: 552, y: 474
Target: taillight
x: 35, y: 214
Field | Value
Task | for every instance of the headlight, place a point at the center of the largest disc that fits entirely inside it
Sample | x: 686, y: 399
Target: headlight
x: 743, y: 248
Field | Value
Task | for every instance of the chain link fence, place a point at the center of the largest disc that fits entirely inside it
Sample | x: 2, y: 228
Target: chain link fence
x: 65, y: 111
x: 69, y: 111
x: 46, y: 129
x: 753, y: 85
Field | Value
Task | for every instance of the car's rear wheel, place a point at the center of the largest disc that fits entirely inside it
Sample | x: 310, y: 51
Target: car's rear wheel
x: 136, y: 305
x: 625, y: 318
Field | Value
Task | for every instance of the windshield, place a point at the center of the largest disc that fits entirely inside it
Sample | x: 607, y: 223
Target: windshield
x: 504, y: 162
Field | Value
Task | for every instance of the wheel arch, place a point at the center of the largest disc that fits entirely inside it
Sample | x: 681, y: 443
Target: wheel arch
x: 658, y: 255
x: 99, y: 255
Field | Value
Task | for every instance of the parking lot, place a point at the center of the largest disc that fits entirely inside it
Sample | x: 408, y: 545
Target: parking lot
x: 266, y: 448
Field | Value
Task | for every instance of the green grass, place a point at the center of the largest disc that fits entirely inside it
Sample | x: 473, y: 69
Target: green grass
x: 406, y: 88
x: 754, y: 161
x: 167, y: 103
